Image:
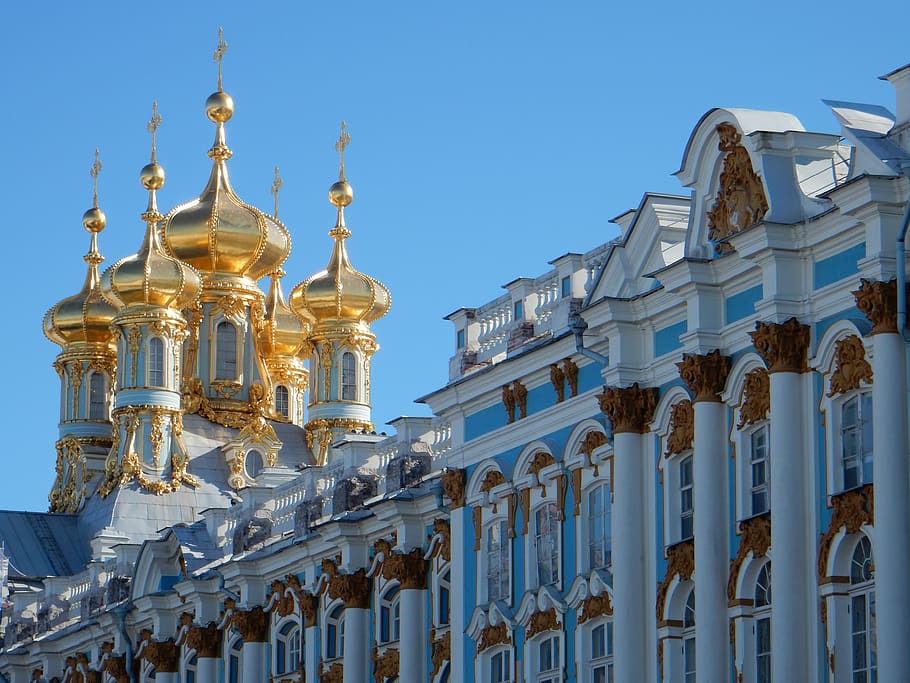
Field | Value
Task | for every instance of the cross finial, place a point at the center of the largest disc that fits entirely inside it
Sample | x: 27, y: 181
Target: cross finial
x: 340, y: 145
x: 152, y: 128
x: 276, y: 185
x: 95, y: 170
x: 219, y: 53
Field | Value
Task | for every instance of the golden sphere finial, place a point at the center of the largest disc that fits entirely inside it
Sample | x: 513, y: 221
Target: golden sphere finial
x: 94, y: 220
x: 152, y: 176
x: 219, y: 107
x: 341, y: 193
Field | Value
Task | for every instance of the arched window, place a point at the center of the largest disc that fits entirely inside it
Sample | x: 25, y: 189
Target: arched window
x: 282, y: 400
x: 501, y: 667
x: 190, y: 669
x: 600, y: 541
x: 225, y: 351
x: 287, y: 648
x: 97, y: 397
x: 686, y: 492
x: 156, y: 362
x: 390, y: 616
x: 759, y: 470
x: 233, y: 668
x: 254, y: 463
x: 549, y: 667
x: 602, y: 653
x: 856, y: 440
x: 862, y: 614
x: 547, y: 544
x: 334, y: 641
x: 348, y: 377
x: 688, y: 636
x: 443, y: 599
x: 762, y: 617
x: 498, y: 556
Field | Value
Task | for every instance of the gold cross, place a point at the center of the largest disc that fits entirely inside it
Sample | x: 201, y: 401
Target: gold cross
x: 219, y: 53
x: 152, y: 128
x: 340, y: 145
x: 275, y: 187
x: 96, y: 169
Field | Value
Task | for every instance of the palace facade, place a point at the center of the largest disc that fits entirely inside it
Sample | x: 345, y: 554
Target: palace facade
x: 680, y: 456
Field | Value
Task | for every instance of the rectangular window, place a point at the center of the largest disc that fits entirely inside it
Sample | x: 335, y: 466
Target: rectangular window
x: 546, y: 538
x: 443, y: 605
x: 548, y: 661
x: 156, y: 362
x: 97, y: 408
x: 689, y: 659
x: 500, y: 669
x: 566, y: 287
x: 856, y: 440
x: 862, y: 626
x: 600, y: 541
x: 763, y: 650
x: 498, y: 556
x: 519, y: 311
x: 759, y: 466
x: 460, y: 339
x: 602, y: 653
x: 685, y: 499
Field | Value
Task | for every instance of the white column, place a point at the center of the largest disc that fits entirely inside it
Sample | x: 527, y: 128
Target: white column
x: 631, y: 617
x: 793, y: 656
x: 253, y: 663
x: 712, y: 550
x: 412, y: 654
x: 457, y: 614
x: 892, y: 511
x: 311, y: 652
x: 356, y: 645
x: 207, y: 669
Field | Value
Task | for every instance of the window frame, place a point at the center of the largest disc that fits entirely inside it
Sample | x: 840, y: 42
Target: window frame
x: 348, y: 377
x: 504, y: 559
x: 333, y: 649
x: 686, y: 503
x: 862, y: 593
x: 100, y: 407
x: 283, y: 402
x: 287, y: 633
x: 862, y: 430
x: 552, y: 536
x: 590, y: 538
x: 156, y: 368
x: 220, y: 364
x: 388, y: 629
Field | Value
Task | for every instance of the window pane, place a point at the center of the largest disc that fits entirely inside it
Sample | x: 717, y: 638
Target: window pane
x: 348, y: 377
x: 156, y: 362
x: 226, y: 351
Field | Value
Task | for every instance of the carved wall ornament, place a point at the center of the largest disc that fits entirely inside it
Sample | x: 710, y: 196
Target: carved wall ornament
x: 205, y: 640
x: 352, y: 589
x: 494, y: 635
x: 570, y: 369
x: 705, y: 375
x: 740, y: 202
x: 577, y: 476
x: 508, y: 401
x: 442, y: 527
x: 595, y: 606
x: 681, y: 563
x: 477, y: 521
x: 525, y: 510
x: 115, y: 667
x: 440, y: 650
x: 783, y: 346
x: 878, y: 302
x: 453, y: 485
x: 491, y: 479
x: 755, y: 538
x: 592, y: 441
x: 520, y: 392
x: 630, y: 409
x: 253, y: 624
x: 852, y: 509
x: 332, y: 674
x: 540, y: 460
x: 162, y: 655
x: 410, y: 569
x: 851, y: 368
x: 558, y: 380
x: 386, y: 665
x: 309, y: 604
x: 756, y: 398
x: 682, y: 427
x: 285, y: 604
x: 543, y: 621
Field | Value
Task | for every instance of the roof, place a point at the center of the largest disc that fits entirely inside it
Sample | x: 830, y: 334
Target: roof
x: 40, y: 544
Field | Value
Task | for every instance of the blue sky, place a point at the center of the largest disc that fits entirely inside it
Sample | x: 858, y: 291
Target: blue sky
x: 488, y: 138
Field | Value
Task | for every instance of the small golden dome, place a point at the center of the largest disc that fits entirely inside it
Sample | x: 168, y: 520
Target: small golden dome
x: 94, y: 220
x: 218, y: 233
x: 341, y: 193
x: 284, y: 334
x: 152, y: 176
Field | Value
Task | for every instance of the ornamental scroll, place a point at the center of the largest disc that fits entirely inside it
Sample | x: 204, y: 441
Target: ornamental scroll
x: 740, y: 202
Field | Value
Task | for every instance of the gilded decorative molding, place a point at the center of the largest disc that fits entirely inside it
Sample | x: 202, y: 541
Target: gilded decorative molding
x: 332, y: 674
x: 576, y: 491
x: 682, y: 427
x: 440, y: 650
x: 520, y: 392
x: 163, y: 655
x: 852, y: 509
x: 477, y: 521
x: 851, y: 368
x: 453, y: 485
x: 755, y: 538
x: 540, y: 460
x: 115, y: 667
x: 630, y: 409
x: 543, y: 621
x: 386, y: 665
x: 756, y: 398
x: 133, y: 340
x: 877, y: 300
x: 525, y: 510
x: 558, y: 380
x: 783, y: 346
x: 69, y: 488
x: 705, y: 375
x: 508, y: 402
x: 494, y: 635
x: 309, y: 604
x: 595, y: 606
x: 442, y: 527
x: 352, y: 589
x: 740, y: 202
x: 285, y: 603
x: 410, y: 569
x: 205, y: 640
x: 491, y: 479
x: 592, y: 441
x: 681, y: 563
x: 570, y: 369
x: 253, y: 624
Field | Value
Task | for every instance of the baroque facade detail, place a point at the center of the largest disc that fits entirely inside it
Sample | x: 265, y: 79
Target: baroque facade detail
x: 682, y: 427
x: 705, y: 375
x: 877, y: 300
x: 851, y: 369
x: 783, y: 346
x: 630, y: 409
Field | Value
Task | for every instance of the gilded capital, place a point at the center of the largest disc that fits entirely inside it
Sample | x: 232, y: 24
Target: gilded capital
x: 205, y: 640
x: 629, y: 409
x: 353, y: 589
x: 783, y: 346
x: 453, y: 483
x: 705, y: 376
x: 162, y: 655
x: 410, y: 569
x: 253, y: 625
x: 309, y: 603
x: 878, y: 302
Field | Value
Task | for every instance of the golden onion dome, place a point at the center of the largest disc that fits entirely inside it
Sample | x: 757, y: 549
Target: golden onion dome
x: 217, y: 233
x: 84, y: 317
x: 284, y: 334
x: 151, y: 278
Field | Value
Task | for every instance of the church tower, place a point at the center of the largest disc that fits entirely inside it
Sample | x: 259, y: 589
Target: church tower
x: 150, y: 289
x: 343, y: 303
x: 81, y: 325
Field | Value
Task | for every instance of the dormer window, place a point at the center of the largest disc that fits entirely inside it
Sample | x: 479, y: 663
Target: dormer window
x: 156, y: 362
x: 566, y: 287
x: 226, y: 351
x: 97, y: 397
x: 460, y: 339
x: 281, y: 400
x: 348, y: 377
x: 518, y: 309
